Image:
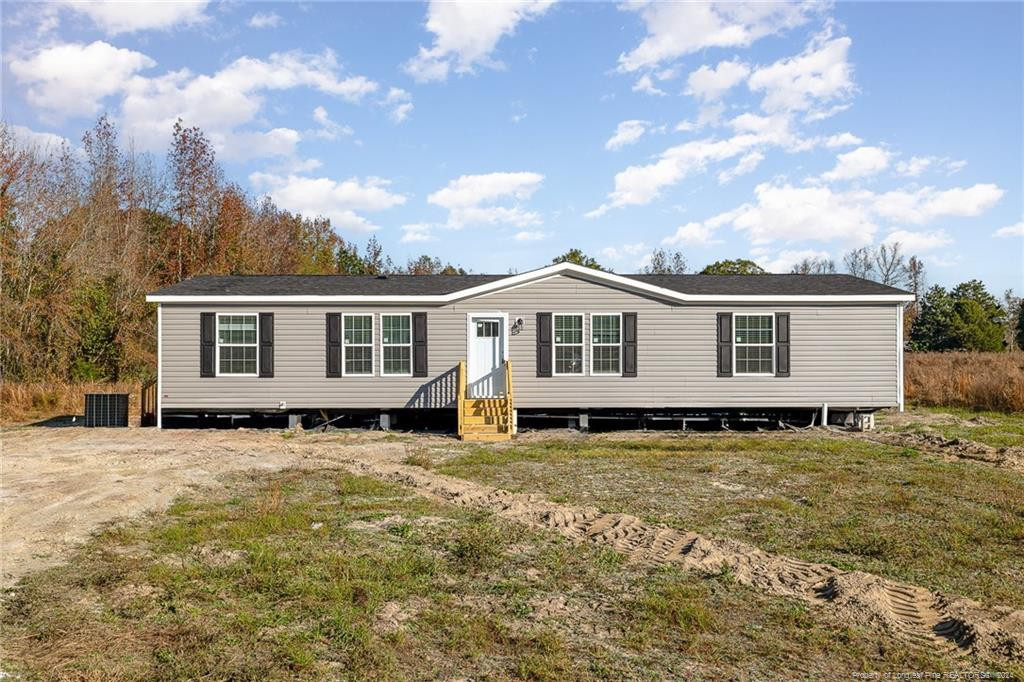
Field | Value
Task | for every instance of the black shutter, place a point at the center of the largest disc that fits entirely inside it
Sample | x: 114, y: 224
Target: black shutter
x: 419, y: 344
x: 543, y: 344
x: 629, y: 344
x: 725, y: 344
x: 782, y: 344
x: 266, y: 344
x: 334, y: 344
x: 207, y: 344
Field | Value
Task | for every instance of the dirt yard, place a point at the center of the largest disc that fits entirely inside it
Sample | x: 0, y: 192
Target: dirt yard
x: 60, y: 484
x: 768, y: 519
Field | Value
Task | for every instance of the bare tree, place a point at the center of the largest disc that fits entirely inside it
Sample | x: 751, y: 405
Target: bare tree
x: 860, y: 263
x: 664, y: 263
x: 890, y: 264
x: 814, y: 266
x: 1012, y: 304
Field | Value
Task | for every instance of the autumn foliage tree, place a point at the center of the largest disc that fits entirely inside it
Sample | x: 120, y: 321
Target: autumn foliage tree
x: 85, y: 234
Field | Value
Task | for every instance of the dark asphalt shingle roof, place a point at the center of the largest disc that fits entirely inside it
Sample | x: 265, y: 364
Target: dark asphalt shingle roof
x: 769, y: 285
x: 434, y: 285
x: 325, y: 285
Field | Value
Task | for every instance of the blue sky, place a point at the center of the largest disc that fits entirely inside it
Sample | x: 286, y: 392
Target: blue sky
x: 497, y: 136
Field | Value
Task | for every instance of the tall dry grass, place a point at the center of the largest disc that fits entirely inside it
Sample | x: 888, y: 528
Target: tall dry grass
x: 35, y: 401
x: 983, y: 381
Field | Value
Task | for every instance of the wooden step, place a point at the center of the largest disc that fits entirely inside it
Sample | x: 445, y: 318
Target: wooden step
x: 484, y: 402
x: 486, y: 437
x: 484, y: 428
x: 489, y: 414
x: 485, y: 419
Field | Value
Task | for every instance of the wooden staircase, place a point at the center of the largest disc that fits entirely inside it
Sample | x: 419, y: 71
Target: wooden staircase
x: 485, y: 419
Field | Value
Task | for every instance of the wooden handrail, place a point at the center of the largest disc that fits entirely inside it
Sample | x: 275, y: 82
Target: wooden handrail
x: 460, y: 395
x: 509, y: 408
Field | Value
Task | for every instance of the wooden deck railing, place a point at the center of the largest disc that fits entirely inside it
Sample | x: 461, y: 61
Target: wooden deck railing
x: 509, y: 409
x: 460, y: 396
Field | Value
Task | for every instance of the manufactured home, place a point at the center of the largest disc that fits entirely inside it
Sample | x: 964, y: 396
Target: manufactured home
x: 561, y: 341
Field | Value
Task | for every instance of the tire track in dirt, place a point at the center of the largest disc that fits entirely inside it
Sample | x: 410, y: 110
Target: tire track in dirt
x: 1009, y: 457
x: 955, y: 626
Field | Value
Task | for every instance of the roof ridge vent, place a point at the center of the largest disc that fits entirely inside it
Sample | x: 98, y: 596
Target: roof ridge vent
x: 382, y: 276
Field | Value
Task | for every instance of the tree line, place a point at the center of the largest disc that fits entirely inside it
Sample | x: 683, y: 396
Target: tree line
x: 86, y: 233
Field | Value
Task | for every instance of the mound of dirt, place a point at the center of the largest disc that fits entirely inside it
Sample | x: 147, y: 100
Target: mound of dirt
x: 905, y: 611
x: 1008, y: 457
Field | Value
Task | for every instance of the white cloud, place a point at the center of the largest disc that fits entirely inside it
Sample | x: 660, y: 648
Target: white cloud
x: 859, y: 163
x: 1015, y: 230
x: 230, y: 98
x: 466, y: 33
x: 400, y: 102
x: 246, y: 145
x: 675, y: 29
x: 926, y: 204
x: 692, y: 234
x: 73, y: 79
x: 530, y: 236
x: 626, y: 133
x: 916, y: 165
x: 77, y: 80
x: 338, y: 201
x: 641, y: 184
x: 329, y: 130
x: 475, y: 199
x: 645, y: 84
x: 417, y: 232
x: 785, y: 260
x: 637, y: 185
x: 265, y: 20
x: 747, y: 164
x: 34, y: 139
x: 711, y: 84
x: 842, y: 140
x: 620, y: 252
x: 919, y: 242
x: 818, y: 213
x: 819, y: 74
x: 116, y: 16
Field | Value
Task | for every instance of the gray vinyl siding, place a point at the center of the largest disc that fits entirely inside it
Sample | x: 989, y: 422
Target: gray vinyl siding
x: 844, y: 355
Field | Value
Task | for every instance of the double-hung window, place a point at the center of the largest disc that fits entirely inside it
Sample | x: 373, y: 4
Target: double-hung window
x: 357, y: 345
x: 568, y: 338
x: 236, y: 345
x: 396, y: 345
x: 606, y: 344
x: 755, y: 343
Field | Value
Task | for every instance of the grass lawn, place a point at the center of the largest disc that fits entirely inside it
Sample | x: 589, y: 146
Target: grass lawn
x: 326, y: 575
x: 952, y: 526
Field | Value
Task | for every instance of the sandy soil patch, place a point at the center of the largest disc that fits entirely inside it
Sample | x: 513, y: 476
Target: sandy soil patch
x: 60, y: 484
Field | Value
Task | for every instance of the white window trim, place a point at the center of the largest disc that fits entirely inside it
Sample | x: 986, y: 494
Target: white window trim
x: 582, y: 344
x: 373, y: 355
x: 735, y: 368
x: 217, y: 343
x: 592, y: 344
x: 395, y: 345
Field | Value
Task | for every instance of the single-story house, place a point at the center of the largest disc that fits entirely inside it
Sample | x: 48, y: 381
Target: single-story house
x: 563, y: 339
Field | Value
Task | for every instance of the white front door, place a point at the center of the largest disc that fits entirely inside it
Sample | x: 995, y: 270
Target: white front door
x: 486, y: 346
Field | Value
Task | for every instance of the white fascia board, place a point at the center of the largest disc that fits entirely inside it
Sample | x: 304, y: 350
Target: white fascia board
x: 523, y: 278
